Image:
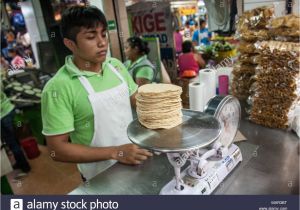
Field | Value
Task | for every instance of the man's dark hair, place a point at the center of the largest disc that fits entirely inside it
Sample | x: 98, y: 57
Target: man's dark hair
x: 202, y: 21
x: 12, y: 50
x: 187, y: 46
x: 76, y: 17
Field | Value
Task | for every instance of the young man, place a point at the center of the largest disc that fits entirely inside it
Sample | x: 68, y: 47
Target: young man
x: 88, y: 100
x: 202, y: 36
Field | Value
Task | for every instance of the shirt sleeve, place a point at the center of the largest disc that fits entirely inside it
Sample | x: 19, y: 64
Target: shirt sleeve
x: 145, y: 73
x: 57, y: 112
x: 132, y: 86
x: 209, y: 34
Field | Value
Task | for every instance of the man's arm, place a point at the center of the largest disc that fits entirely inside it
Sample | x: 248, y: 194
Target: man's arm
x: 61, y: 150
x: 142, y: 81
x: 199, y: 60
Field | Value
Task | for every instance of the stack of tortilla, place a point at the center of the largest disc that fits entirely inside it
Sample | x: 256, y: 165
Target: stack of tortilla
x: 159, y: 106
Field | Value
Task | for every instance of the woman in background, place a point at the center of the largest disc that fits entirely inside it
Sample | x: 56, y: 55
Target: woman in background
x: 178, y: 40
x: 189, y: 60
x: 17, y: 61
x: 138, y: 65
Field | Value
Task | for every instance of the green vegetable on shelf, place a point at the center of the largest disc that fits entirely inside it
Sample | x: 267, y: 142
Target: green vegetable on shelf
x: 218, y: 46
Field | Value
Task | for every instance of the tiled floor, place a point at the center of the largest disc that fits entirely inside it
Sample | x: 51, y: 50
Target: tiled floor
x: 46, y: 177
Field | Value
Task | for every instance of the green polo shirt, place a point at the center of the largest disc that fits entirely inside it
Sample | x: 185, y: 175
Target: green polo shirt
x: 6, y: 105
x: 144, y: 72
x: 65, y: 104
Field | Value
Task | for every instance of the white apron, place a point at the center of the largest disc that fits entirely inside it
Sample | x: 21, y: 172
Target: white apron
x: 112, y: 114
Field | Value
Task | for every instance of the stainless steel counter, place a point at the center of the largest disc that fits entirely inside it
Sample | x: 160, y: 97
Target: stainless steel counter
x: 270, y: 166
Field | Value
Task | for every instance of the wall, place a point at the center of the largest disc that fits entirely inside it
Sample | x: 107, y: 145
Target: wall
x: 296, y: 7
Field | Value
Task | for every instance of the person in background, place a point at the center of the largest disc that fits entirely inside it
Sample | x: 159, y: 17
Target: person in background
x: 178, y: 40
x: 196, y: 26
x: 17, y: 61
x: 10, y: 38
x: 16, y: 17
x: 189, y: 60
x: 187, y: 33
x: 23, y: 38
x: 9, y: 42
x: 202, y: 36
x: 138, y: 65
x: 192, y: 24
x: 8, y: 134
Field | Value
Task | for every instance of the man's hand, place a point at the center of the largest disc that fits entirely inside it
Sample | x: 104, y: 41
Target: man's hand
x: 142, y: 81
x: 131, y: 154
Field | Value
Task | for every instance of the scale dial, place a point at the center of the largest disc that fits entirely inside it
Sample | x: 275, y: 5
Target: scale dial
x: 227, y: 110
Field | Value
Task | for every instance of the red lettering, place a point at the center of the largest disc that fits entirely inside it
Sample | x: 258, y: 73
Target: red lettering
x: 160, y: 22
x: 135, y: 24
x: 141, y: 24
x: 148, y: 25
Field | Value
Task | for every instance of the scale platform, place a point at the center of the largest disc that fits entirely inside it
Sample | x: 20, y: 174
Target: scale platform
x: 197, y: 130
x: 204, y: 139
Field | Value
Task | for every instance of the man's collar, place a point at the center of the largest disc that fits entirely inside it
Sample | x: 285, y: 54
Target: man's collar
x: 74, y: 71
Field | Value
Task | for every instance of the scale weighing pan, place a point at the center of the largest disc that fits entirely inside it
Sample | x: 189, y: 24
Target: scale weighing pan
x: 196, y: 131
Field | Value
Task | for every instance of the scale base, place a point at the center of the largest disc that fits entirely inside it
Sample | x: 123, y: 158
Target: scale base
x: 217, y: 172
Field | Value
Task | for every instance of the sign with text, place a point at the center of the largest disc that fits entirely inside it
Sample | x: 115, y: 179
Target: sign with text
x: 150, y: 202
x: 154, y: 19
x: 187, y: 10
x: 111, y: 25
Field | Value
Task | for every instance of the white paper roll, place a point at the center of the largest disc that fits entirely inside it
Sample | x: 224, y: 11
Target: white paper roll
x: 208, y: 78
x: 196, y: 95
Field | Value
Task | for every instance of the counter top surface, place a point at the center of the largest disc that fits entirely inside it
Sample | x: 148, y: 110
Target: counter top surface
x: 270, y: 166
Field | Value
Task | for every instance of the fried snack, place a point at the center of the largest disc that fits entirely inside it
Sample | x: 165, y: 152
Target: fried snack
x: 255, y: 35
x: 240, y: 69
x: 248, y: 58
x: 257, y: 18
x: 246, y: 47
x: 288, y: 21
x: 276, y: 89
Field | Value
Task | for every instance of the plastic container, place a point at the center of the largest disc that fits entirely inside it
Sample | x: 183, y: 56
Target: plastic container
x: 223, y: 85
x: 30, y: 147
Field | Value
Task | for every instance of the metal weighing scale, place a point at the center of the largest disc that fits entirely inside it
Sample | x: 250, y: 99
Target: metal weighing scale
x: 204, y: 140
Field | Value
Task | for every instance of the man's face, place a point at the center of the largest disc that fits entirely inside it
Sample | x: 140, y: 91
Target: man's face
x: 203, y: 25
x: 91, y: 44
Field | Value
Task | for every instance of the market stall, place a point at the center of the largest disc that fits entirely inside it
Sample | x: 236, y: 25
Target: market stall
x: 228, y: 123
